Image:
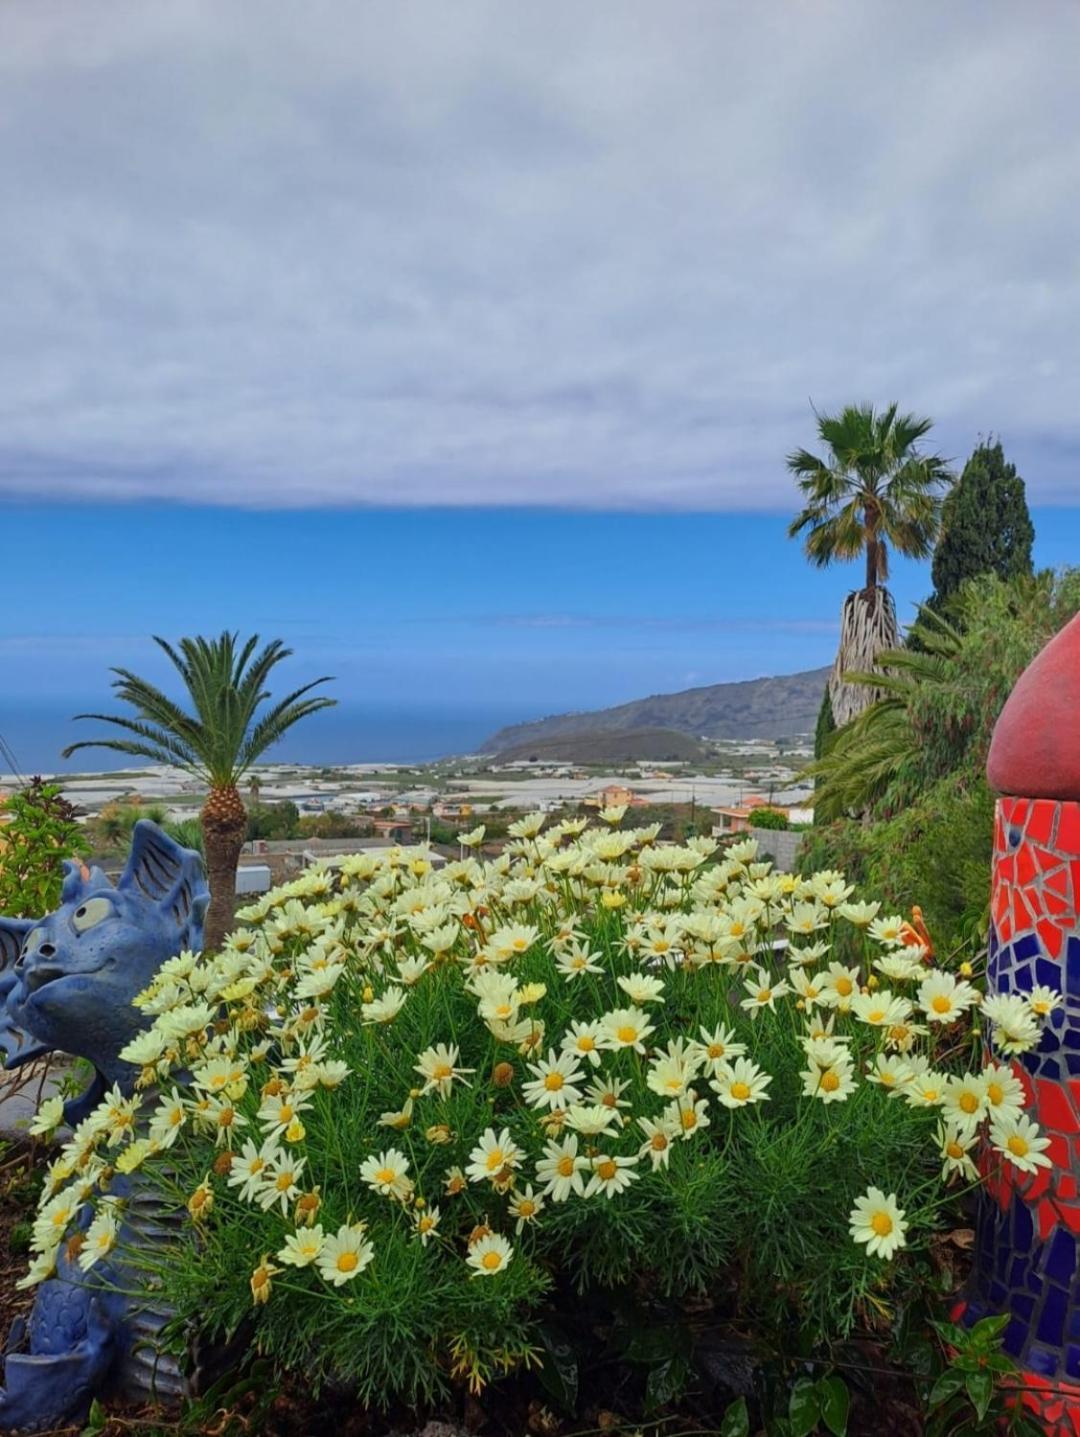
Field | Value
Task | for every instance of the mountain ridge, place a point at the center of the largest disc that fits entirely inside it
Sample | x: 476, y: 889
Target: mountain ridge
x: 777, y: 706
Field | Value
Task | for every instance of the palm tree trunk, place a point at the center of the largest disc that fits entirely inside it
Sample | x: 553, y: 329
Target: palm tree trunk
x: 871, y: 566
x: 224, y: 821
x: 867, y: 626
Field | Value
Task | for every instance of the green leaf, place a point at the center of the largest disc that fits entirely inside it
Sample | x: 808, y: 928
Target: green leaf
x: 736, y: 1420
x: 96, y: 1420
x: 804, y: 1409
x: 980, y: 1388
x: 948, y: 1385
x: 835, y: 1402
x: 558, y: 1372
x: 987, y: 1332
x: 666, y: 1382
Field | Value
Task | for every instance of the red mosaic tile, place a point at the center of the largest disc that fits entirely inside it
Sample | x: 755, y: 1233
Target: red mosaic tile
x: 1041, y: 820
x: 1055, y: 1111
x: 1050, y: 936
x: 1025, y: 865
x: 1068, y: 834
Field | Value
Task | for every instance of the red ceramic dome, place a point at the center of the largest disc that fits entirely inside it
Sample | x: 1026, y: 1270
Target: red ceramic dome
x: 1035, y: 751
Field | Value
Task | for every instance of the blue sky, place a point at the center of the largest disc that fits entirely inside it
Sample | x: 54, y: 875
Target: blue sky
x: 514, y: 611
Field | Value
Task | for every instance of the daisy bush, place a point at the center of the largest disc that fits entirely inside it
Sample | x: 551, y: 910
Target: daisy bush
x: 408, y: 1108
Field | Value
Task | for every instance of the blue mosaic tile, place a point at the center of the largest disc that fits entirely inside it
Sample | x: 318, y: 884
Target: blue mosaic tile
x: 1040, y: 1360
x: 1072, y: 964
x: 1060, y: 1260
x: 1024, y: 1306
x: 1028, y: 946
x: 1051, y: 1327
x: 1023, y: 1227
x: 1013, y: 835
x: 1072, y: 1361
x: 1048, y: 972
x: 1014, y: 1337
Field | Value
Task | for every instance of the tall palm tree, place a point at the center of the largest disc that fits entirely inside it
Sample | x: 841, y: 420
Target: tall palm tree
x: 217, y: 744
x: 874, y: 489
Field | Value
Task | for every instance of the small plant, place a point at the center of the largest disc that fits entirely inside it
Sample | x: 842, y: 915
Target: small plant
x: 40, y: 831
x: 978, y: 1390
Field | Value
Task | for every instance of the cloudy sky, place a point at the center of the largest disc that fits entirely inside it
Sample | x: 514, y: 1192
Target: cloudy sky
x: 597, y: 255
x: 462, y: 344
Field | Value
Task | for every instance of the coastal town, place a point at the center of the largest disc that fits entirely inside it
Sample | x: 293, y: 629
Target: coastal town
x: 303, y: 813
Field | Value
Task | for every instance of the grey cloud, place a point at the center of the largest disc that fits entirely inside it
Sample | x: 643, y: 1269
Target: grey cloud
x: 601, y: 255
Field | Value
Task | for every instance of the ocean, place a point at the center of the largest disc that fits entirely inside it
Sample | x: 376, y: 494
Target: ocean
x: 347, y: 734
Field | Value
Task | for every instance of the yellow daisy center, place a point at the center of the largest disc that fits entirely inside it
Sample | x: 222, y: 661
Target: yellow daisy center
x: 491, y: 1260
x: 968, y: 1103
x: 553, y: 1082
x: 347, y: 1262
x: 495, y: 1160
x: 658, y: 1142
x: 441, y: 1071
x: 716, y: 1050
x: 996, y: 1093
x: 1017, y: 1145
x: 606, y: 1169
x: 941, y: 1004
x: 565, y: 1167
x: 764, y: 994
x: 955, y: 1150
x: 385, y: 1175
x: 689, y: 1118
x: 627, y: 1034
x: 844, y: 987
x: 740, y: 1091
x: 829, y: 1082
x: 586, y: 1044
x: 526, y: 1207
x: 882, y: 1224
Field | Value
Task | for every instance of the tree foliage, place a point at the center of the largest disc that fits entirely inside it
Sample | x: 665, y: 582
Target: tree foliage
x: 874, y: 488
x: 985, y: 525
x: 912, y: 765
x: 226, y: 733
x: 39, y: 832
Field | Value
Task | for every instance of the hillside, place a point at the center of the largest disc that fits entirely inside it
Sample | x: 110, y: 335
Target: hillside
x: 756, y: 708
x: 606, y: 746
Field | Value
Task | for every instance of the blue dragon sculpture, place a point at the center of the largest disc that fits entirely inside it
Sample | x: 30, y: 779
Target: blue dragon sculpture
x: 67, y: 981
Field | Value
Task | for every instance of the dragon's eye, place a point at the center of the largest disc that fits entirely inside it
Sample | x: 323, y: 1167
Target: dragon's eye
x: 90, y: 914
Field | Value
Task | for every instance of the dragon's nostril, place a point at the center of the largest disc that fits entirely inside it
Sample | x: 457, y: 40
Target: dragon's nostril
x: 47, y: 950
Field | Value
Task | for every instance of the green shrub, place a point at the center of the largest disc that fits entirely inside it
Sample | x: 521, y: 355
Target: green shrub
x: 771, y: 818
x: 407, y: 1055
x: 39, y: 833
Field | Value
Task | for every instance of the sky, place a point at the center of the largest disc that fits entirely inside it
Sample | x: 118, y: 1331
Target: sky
x: 462, y: 345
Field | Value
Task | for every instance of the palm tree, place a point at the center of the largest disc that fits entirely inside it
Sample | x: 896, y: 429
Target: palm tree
x: 217, y: 744
x: 875, y: 489
x: 882, y: 746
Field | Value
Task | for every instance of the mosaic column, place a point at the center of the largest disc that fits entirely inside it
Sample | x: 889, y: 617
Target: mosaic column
x: 1027, y: 1256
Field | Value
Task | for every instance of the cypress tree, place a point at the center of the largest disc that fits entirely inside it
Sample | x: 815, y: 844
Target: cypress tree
x: 985, y: 524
